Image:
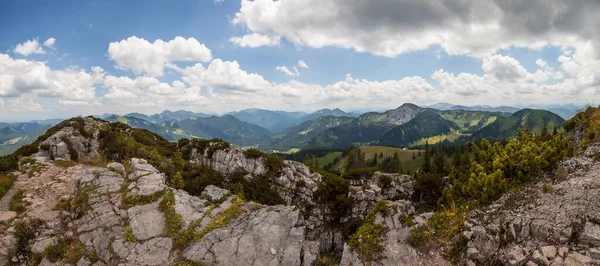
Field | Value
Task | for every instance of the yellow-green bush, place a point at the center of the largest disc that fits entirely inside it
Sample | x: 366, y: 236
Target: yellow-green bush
x: 368, y: 239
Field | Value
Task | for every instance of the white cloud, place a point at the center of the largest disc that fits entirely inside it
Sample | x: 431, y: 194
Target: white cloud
x: 19, y: 77
x: 255, y: 40
x: 224, y: 75
x: 288, y: 72
x: 218, y: 1
x: 504, y: 68
x: 302, y: 64
x: 390, y: 28
x: 79, y: 103
x: 50, y: 43
x: 143, y: 57
x: 25, y: 104
x: 506, y: 82
x: 29, y: 47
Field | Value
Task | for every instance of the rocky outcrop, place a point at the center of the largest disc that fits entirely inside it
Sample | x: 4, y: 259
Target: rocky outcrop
x: 396, y: 250
x: 268, y: 236
x: 368, y: 191
x: 294, y: 182
x: 117, y: 224
x: 229, y: 160
x: 551, y: 226
x: 61, y: 144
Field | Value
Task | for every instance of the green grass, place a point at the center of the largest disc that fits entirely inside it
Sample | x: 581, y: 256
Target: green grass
x: 17, y: 204
x: 328, y: 158
x: 405, y: 156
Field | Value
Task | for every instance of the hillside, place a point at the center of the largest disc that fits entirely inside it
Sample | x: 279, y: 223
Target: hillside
x: 13, y: 136
x: 167, y: 116
x: 266, y: 118
x: 225, y: 127
x: 298, y: 136
x: 426, y: 124
x: 374, y: 127
x: 319, y: 113
x: 504, y: 128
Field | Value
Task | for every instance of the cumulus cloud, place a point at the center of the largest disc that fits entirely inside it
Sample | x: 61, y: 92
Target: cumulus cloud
x: 143, y: 57
x: 25, y: 104
x: 288, y: 72
x: 226, y: 75
x: 389, y: 28
x: 255, y: 40
x: 50, y: 43
x: 29, y: 47
x: 505, y: 81
x: 19, y: 77
x: 504, y: 68
x: 302, y: 64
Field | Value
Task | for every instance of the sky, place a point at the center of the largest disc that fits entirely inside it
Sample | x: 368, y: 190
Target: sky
x: 66, y: 58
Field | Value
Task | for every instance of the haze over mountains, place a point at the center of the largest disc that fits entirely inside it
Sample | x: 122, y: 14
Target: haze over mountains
x: 406, y: 126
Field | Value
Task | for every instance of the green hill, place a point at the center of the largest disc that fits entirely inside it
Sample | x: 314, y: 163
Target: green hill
x: 425, y: 124
x: 504, y: 128
x: 404, y: 126
x: 225, y: 127
x: 297, y: 136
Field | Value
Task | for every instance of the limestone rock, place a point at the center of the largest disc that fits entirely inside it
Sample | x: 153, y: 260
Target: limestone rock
x: 7, y: 216
x: 146, y: 221
x: 591, y: 234
x: 85, y: 146
x: 116, y: 166
x: 214, y: 193
x: 140, y: 167
x: 191, y: 208
x: 549, y: 251
x: 152, y: 252
x: 148, y: 180
x: 396, y: 251
x: 230, y: 160
x: 249, y: 240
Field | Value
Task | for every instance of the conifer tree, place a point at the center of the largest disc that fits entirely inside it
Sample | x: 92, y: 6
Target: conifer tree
x: 427, y: 158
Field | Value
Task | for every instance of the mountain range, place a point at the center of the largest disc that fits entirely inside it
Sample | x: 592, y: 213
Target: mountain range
x: 405, y: 126
x: 15, y: 135
x: 565, y: 111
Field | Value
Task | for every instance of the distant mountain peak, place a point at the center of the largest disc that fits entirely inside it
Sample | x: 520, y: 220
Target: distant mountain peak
x: 409, y: 105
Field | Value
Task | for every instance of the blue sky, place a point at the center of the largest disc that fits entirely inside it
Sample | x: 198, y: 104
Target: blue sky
x: 220, y: 56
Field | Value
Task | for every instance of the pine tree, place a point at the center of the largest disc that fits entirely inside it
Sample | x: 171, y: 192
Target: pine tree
x: 350, y: 160
x: 374, y: 161
x: 439, y: 160
x: 545, y: 135
x: 395, y: 163
x: 554, y: 130
x: 427, y: 159
x: 457, y: 156
x: 178, y: 160
x: 177, y: 181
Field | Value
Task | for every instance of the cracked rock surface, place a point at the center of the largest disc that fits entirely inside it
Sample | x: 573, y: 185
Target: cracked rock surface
x: 260, y: 235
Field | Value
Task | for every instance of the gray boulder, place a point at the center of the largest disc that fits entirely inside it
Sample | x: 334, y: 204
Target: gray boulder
x: 214, y: 193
